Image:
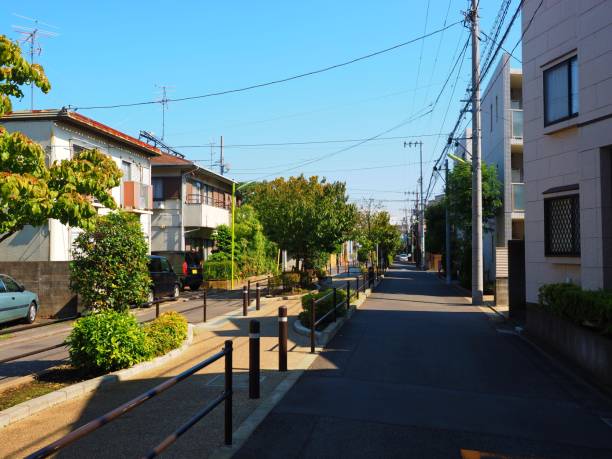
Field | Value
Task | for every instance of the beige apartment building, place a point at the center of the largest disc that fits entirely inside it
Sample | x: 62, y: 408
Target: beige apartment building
x: 567, y: 101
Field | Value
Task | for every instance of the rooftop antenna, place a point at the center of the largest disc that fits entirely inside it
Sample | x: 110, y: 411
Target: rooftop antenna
x: 164, y: 104
x: 31, y: 35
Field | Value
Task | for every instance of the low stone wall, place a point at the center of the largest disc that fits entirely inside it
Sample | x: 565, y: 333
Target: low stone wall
x: 50, y: 280
x: 238, y: 283
x: 583, y: 347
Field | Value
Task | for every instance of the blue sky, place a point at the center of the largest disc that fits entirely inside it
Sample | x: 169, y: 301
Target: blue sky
x: 120, y: 52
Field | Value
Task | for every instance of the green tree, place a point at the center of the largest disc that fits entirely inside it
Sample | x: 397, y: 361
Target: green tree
x: 460, y: 211
x: 109, y: 267
x: 31, y: 192
x: 374, y: 229
x: 436, y: 227
x: 307, y: 217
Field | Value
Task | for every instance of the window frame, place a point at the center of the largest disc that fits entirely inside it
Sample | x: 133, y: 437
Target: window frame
x: 566, y: 62
x: 576, y: 251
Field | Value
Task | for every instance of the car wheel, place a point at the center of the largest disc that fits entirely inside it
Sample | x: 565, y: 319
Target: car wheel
x: 31, y: 317
x: 177, y: 291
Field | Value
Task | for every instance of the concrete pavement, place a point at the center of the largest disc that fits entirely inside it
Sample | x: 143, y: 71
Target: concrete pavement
x: 418, y: 372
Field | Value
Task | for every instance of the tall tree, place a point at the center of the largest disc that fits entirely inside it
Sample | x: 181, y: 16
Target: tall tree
x: 31, y: 192
x: 306, y: 217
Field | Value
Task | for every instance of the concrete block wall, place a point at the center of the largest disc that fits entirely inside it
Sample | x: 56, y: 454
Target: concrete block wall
x: 50, y: 280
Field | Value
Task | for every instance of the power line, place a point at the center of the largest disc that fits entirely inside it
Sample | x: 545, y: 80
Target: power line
x: 273, y: 82
x: 308, y: 142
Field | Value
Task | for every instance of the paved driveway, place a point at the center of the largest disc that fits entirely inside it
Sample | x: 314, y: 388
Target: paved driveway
x: 418, y: 372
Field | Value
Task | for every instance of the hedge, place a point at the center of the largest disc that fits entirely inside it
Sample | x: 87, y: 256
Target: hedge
x: 218, y: 270
x: 592, y: 308
x: 110, y: 340
x: 322, y: 307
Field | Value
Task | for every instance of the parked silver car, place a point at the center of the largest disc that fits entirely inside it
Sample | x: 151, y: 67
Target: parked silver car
x: 16, y: 302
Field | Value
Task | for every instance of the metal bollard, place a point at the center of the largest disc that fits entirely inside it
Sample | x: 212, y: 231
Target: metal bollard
x: 157, y: 309
x: 249, y: 293
x: 269, y: 286
x: 228, y: 392
x: 254, y: 355
x: 335, y: 300
x: 204, y: 295
x: 244, y: 301
x: 257, y: 296
x: 282, y: 338
x: 348, y: 296
x: 357, y: 287
x: 312, y: 325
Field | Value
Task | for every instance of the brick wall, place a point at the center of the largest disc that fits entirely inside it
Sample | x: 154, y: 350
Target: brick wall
x: 50, y: 280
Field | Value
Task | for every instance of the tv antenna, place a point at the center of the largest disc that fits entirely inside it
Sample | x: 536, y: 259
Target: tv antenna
x: 164, y: 104
x: 31, y: 36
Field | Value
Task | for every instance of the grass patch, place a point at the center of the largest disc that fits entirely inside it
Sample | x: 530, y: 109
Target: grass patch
x: 43, y: 384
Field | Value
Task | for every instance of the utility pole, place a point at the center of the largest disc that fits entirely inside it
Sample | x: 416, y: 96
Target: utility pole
x: 447, y: 224
x: 221, y: 163
x: 477, y: 261
x: 421, y: 202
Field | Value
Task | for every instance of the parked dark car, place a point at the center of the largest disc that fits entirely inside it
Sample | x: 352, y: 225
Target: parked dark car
x: 165, y: 280
x: 186, y: 265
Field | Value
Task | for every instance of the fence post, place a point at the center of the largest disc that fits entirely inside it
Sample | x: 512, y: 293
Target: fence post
x: 357, y: 286
x: 348, y: 296
x: 282, y: 338
x: 228, y: 392
x: 335, y: 299
x: 371, y: 276
x: 157, y: 309
x: 205, y: 294
x: 254, y: 356
x: 249, y: 293
x: 269, y: 286
x: 313, y: 317
x: 257, y: 296
x: 244, y: 301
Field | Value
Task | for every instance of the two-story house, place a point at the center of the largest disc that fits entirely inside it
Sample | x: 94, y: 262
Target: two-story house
x: 502, y: 147
x: 63, y: 134
x: 567, y: 98
x: 189, y: 203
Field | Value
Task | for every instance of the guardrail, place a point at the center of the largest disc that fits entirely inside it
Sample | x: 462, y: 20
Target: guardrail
x: 226, y: 396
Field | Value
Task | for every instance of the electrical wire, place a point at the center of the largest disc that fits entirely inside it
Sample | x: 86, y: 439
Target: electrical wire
x: 273, y: 82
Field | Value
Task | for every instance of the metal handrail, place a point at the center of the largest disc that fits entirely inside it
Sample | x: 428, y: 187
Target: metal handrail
x: 318, y: 300
x: 135, y: 402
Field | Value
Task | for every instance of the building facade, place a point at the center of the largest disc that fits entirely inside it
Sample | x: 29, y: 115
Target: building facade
x: 567, y: 94
x: 502, y: 147
x: 189, y: 203
x: 63, y: 134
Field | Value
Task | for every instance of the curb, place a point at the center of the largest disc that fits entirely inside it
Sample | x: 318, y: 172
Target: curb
x: 29, y: 408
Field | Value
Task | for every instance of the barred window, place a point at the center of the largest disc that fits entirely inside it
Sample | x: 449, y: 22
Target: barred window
x: 562, y: 226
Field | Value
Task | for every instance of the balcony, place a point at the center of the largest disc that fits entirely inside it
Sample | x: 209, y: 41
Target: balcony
x: 136, y: 196
x: 201, y: 212
x: 518, y: 197
x: 517, y: 124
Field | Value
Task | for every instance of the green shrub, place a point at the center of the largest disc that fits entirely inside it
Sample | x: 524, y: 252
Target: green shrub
x: 109, y: 267
x: 165, y: 333
x: 218, y: 270
x: 322, y: 307
x: 583, y: 307
x: 106, y: 341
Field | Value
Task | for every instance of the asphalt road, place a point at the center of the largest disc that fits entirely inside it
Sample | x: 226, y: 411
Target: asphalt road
x: 418, y: 372
x: 43, y: 337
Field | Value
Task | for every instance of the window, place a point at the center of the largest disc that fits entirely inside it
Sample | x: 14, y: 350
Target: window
x: 77, y: 150
x: 165, y: 266
x: 561, y: 91
x: 126, y: 168
x: 562, y: 226
x: 10, y: 284
x: 158, y: 189
x: 2, y: 288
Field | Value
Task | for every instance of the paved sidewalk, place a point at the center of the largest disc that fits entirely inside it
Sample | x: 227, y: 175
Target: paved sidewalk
x: 418, y: 372
x: 134, y: 433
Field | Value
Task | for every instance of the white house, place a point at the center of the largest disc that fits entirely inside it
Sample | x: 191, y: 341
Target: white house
x: 63, y: 133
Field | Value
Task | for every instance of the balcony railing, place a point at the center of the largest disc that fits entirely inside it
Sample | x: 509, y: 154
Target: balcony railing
x: 208, y: 200
x: 517, y: 123
x: 518, y: 197
x: 136, y: 195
